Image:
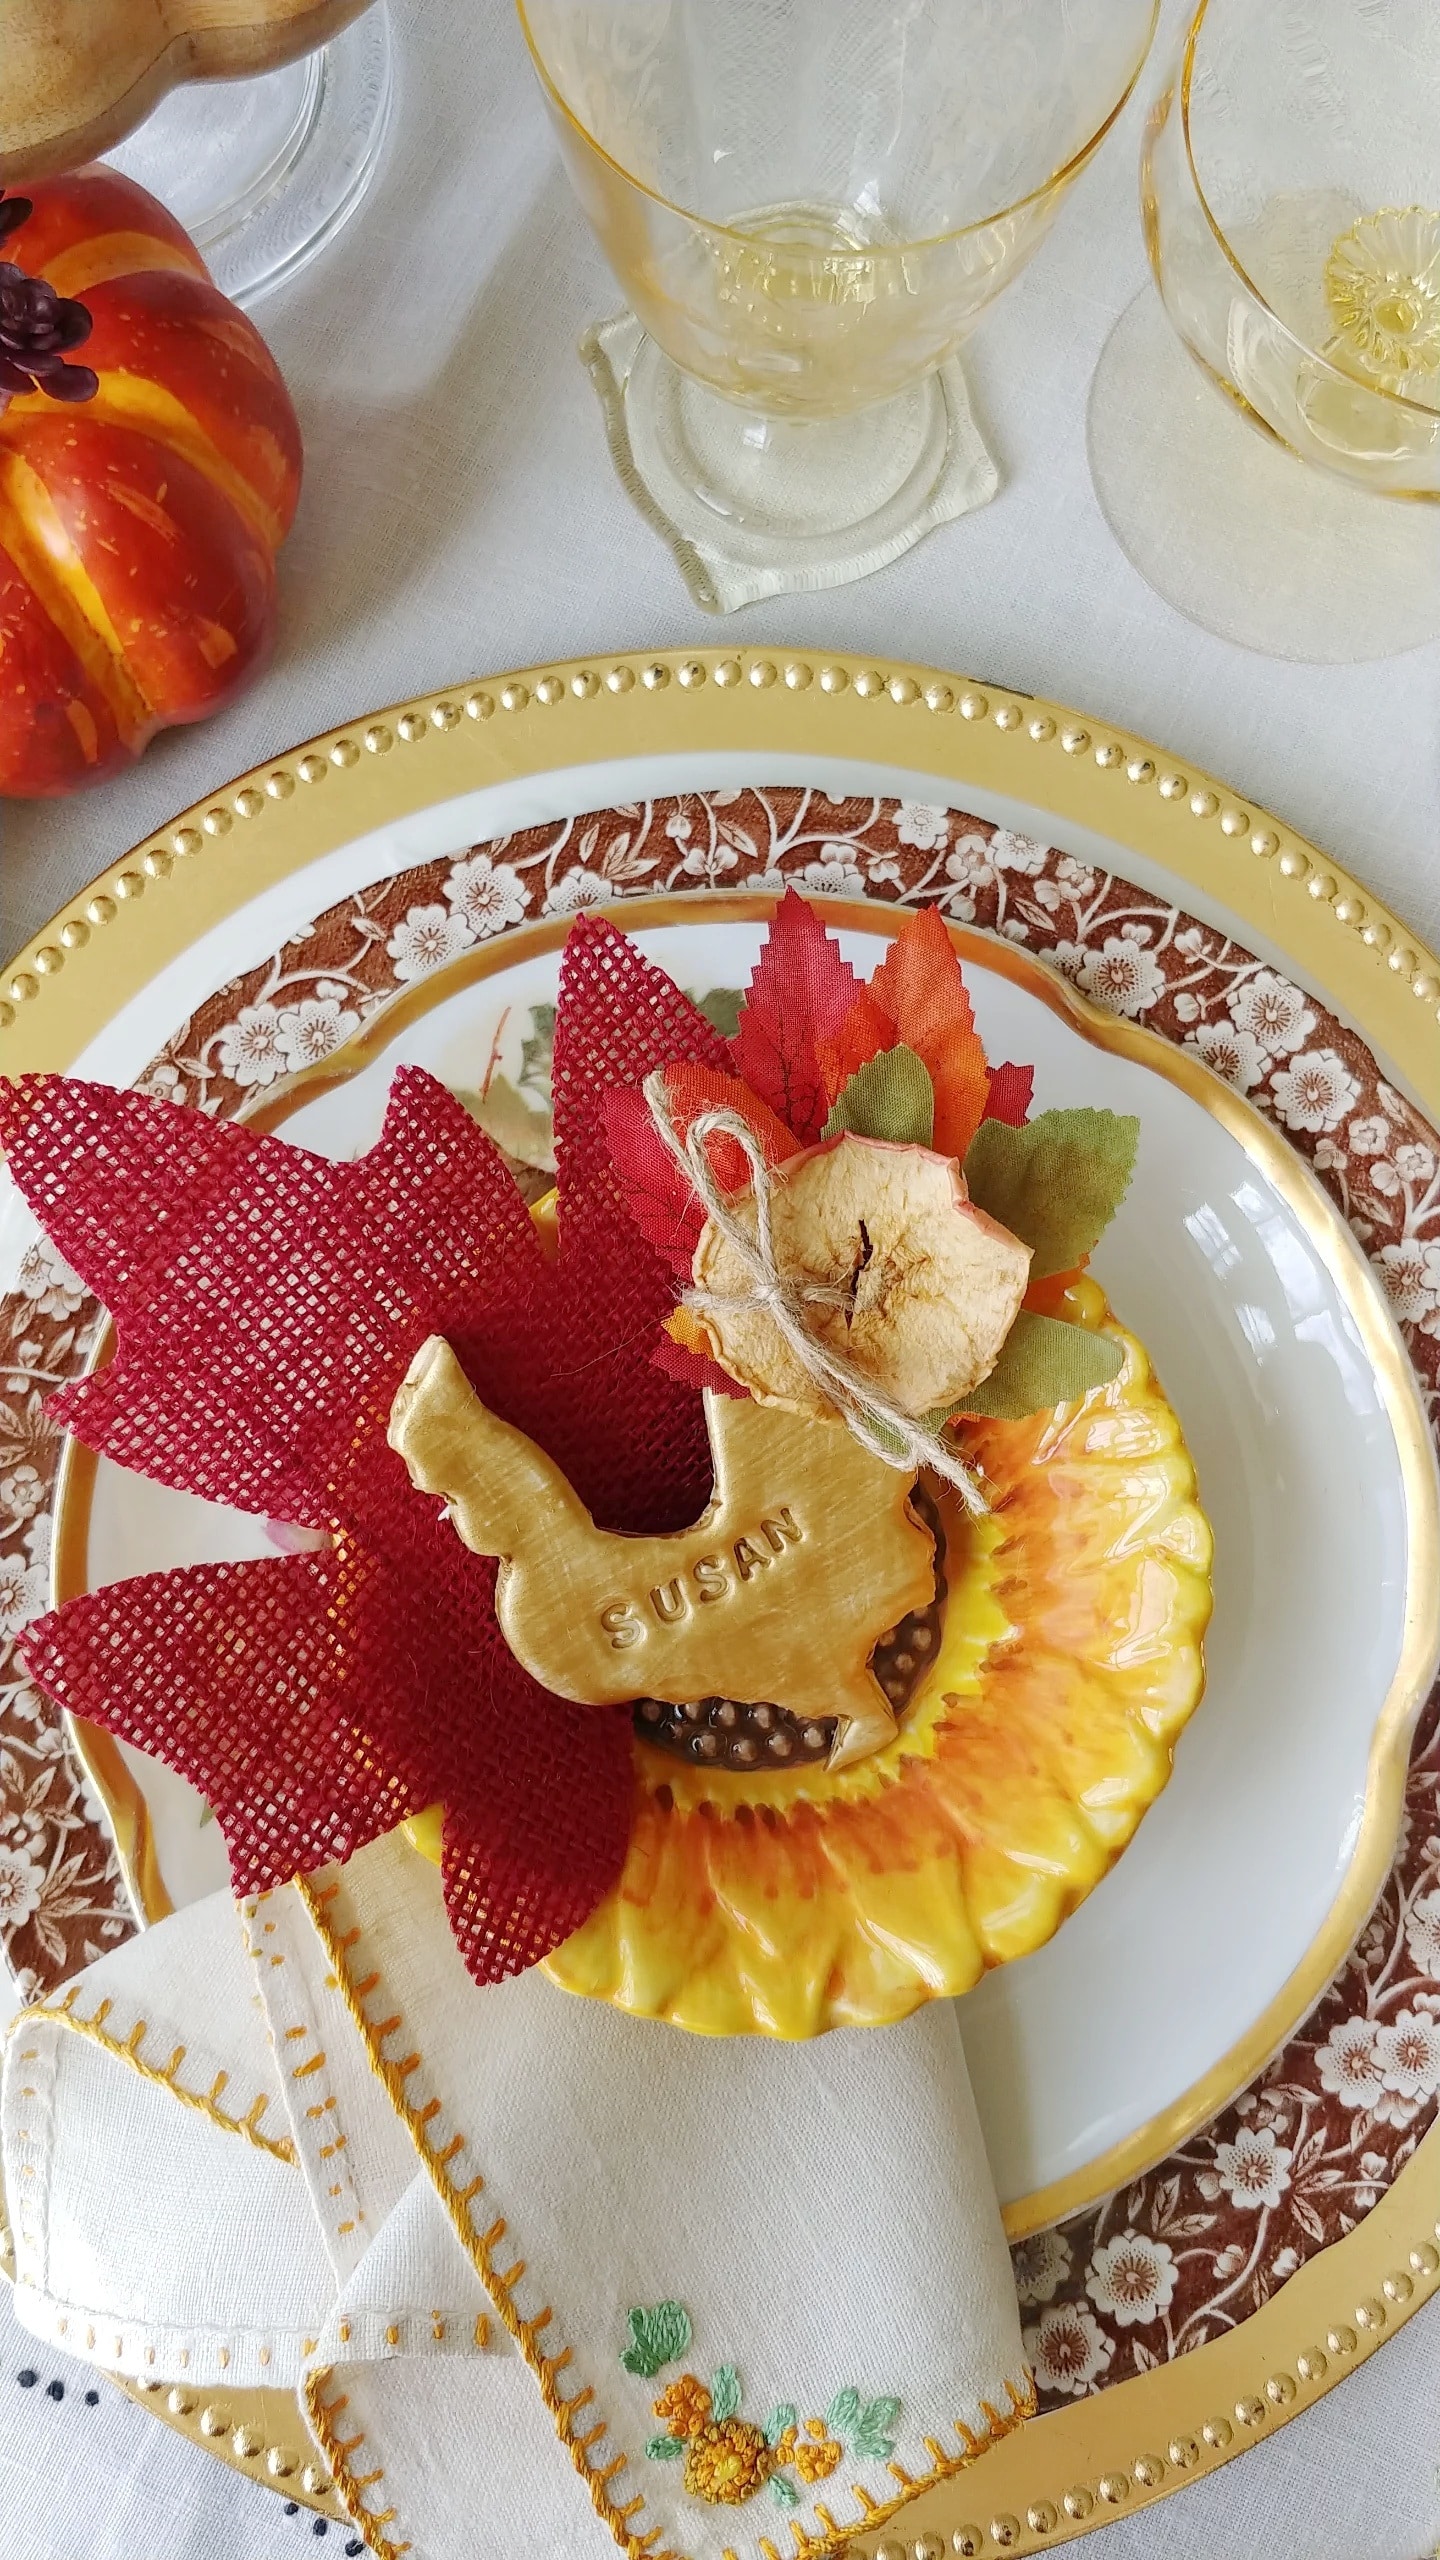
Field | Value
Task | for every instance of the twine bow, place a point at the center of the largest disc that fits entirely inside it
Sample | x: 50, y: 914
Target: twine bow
x: 879, y: 1424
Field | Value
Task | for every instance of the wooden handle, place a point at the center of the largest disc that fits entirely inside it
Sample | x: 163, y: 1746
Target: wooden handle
x: 78, y: 76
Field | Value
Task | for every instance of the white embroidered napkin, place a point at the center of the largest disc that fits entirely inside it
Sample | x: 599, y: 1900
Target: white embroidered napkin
x: 536, y: 2269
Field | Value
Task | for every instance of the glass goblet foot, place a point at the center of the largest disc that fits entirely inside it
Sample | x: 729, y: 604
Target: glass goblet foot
x: 1233, y: 530
x: 753, y: 505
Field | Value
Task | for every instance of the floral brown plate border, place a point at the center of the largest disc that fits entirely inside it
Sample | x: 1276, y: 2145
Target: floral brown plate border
x: 1198, y: 2268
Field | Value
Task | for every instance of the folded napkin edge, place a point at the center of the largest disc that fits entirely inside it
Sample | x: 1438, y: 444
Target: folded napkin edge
x: 317, y: 1897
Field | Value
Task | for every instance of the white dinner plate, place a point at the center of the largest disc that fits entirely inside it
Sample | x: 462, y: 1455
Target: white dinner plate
x: 1245, y: 1883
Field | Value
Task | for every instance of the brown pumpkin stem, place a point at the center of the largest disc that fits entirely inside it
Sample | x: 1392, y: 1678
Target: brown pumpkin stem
x: 39, y: 328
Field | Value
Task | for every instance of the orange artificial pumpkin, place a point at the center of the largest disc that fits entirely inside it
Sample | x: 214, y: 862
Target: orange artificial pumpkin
x: 139, y: 526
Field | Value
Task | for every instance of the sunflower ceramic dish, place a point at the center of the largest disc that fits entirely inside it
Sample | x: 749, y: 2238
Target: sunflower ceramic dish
x: 1040, y: 1693
x: 1068, y: 1661
x: 339, y: 921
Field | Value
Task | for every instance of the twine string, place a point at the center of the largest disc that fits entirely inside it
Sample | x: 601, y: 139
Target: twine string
x: 877, y: 1422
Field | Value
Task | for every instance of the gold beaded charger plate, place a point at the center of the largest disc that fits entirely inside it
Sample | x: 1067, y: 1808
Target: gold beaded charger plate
x: 344, y: 899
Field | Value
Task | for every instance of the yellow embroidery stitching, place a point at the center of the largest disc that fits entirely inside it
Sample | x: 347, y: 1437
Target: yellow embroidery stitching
x: 830, y: 2543
x: 206, y: 2103
x: 479, y: 2247
x: 337, y: 2449
x: 341, y: 2191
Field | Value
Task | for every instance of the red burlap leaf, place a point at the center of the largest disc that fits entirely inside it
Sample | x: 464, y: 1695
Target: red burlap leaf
x: 267, y: 1303
x: 636, y: 1451
x: 251, y: 1282
x: 167, y: 1662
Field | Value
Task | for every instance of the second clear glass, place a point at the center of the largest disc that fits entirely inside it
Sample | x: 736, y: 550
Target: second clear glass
x: 1265, y: 424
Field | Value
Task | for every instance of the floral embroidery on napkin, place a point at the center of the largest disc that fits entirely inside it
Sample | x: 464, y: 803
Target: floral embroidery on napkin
x: 728, y: 2458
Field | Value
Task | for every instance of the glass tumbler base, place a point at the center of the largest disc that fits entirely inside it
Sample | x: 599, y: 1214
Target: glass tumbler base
x: 1236, y: 532
x: 264, y: 172
x: 754, y: 506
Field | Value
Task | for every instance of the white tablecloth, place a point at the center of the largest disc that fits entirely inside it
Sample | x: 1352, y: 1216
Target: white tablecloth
x: 460, y: 515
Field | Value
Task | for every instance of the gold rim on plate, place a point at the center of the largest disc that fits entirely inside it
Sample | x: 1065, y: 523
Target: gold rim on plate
x: 1078, y: 2467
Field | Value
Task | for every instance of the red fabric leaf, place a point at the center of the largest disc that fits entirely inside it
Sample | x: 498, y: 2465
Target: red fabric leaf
x: 658, y: 1193
x: 693, y: 1368
x: 798, y: 997
x: 920, y: 987
x: 691, y: 1089
x: 1012, y: 1090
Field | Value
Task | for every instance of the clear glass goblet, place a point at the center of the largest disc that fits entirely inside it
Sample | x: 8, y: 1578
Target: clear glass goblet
x: 1290, y: 190
x: 808, y: 203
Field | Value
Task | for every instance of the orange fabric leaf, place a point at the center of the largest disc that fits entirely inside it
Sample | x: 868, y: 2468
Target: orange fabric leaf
x: 919, y: 985
x: 865, y: 1031
x: 691, y: 1089
x: 1047, y: 1297
x: 687, y: 1330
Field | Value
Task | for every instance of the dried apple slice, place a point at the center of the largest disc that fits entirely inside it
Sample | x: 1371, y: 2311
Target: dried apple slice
x: 929, y: 1284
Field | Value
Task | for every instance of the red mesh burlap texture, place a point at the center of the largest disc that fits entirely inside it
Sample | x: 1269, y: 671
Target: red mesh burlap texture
x: 266, y: 1304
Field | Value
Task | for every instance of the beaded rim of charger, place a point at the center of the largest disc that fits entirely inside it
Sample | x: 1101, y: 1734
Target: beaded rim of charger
x: 357, y: 751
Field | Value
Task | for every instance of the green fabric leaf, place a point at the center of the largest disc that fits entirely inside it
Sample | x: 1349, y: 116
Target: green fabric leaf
x: 892, y: 1097
x: 665, y: 2448
x: 657, y: 2337
x: 886, y: 1435
x: 725, y: 2393
x: 843, y: 2414
x: 783, y: 2491
x: 787, y: 2415
x: 505, y: 1115
x: 537, y: 1053
x: 1056, y: 1183
x: 1044, y: 1363
x: 872, y: 2439
x: 721, y: 1008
